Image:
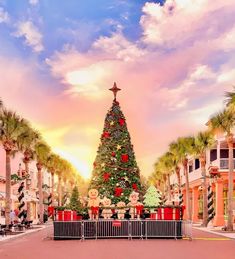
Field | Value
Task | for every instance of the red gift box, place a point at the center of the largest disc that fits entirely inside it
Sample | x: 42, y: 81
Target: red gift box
x: 168, y: 213
x: 176, y: 213
x: 60, y: 215
x: 67, y: 215
x: 74, y: 215
x: 153, y: 216
x: 79, y: 217
x: 165, y: 214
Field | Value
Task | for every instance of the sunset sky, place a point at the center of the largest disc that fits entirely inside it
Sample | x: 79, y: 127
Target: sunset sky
x: 173, y: 62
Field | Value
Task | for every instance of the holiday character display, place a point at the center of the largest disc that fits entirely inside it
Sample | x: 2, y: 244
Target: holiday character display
x: 121, y: 210
x: 152, y: 198
x: 115, y: 172
x: 107, y: 212
x: 135, y: 205
x: 93, y: 204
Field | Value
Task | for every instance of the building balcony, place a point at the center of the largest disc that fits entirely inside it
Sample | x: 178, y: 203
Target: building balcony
x: 224, y: 163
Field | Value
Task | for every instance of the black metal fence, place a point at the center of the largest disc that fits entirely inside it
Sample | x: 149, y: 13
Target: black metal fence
x: 143, y: 229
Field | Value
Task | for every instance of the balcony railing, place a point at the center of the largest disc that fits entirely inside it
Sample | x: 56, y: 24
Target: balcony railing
x: 224, y: 163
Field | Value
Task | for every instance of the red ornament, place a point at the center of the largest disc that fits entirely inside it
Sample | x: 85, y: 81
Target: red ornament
x: 106, y: 176
x: 134, y: 186
x: 106, y: 134
x: 113, y: 154
x: 124, y: 158
x: 118, y: 191
x: 121, y: 122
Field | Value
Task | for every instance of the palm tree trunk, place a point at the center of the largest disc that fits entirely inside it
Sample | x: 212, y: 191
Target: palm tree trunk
x: 60, y: 191
x: 169, y: 187
x: 230, y: 183
x: 40, y: 195
x: 8, y: 188
x: 177, y: 171
x: 204, y: 191
x: 188, y: 203
x: 52, y: 187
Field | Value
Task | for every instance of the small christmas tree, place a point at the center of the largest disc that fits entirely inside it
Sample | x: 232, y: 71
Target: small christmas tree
x: 152, y: 197
x: 75, y: 203
x: 115, y: 172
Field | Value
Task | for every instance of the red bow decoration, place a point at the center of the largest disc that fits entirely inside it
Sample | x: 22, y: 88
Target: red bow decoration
x: 106, y: 134
x: 134, y: 186
x: 106, y: 176
x: 118, y: 191
x: 139, y: 209
x: 121, y: 122
x: 124, y: 158
x: 94, y: 210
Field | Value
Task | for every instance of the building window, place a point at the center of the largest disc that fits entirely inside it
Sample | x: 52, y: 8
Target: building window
x: 190, y: 167
x: 197, y: 164
x: 213, y: 155
x: 223, y: 153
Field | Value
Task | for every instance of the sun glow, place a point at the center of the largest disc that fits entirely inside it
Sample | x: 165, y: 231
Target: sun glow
x: 82, y: 167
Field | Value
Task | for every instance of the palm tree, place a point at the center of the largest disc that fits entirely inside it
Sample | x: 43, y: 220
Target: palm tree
x: 52, y: 162
x: 59, y: 171
x: 224, y: 121
x: 230, y: 100
x: 42, y: 152
x: 166, y: 165
x: 26, y: 143
x: 11, y: 127
x: 183, y: 148
x: 202, y: 142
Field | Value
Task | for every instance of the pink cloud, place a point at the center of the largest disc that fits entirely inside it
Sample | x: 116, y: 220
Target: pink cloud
x: 179, y: 21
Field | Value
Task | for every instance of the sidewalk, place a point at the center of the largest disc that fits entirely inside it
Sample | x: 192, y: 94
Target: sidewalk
x: 216, y: 230
x: 35, y: 228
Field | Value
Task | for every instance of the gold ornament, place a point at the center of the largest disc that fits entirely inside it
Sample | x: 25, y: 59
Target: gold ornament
x: 111, y: 123
x: 119, y: 147
x: 103, y: 164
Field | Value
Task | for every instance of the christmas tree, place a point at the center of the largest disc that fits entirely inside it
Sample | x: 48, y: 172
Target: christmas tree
x: 152, y: 198
x: 115, y: 173
x: 75, y: 203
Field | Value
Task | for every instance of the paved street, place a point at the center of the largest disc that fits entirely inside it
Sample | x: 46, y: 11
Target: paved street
x: 38, y: 246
